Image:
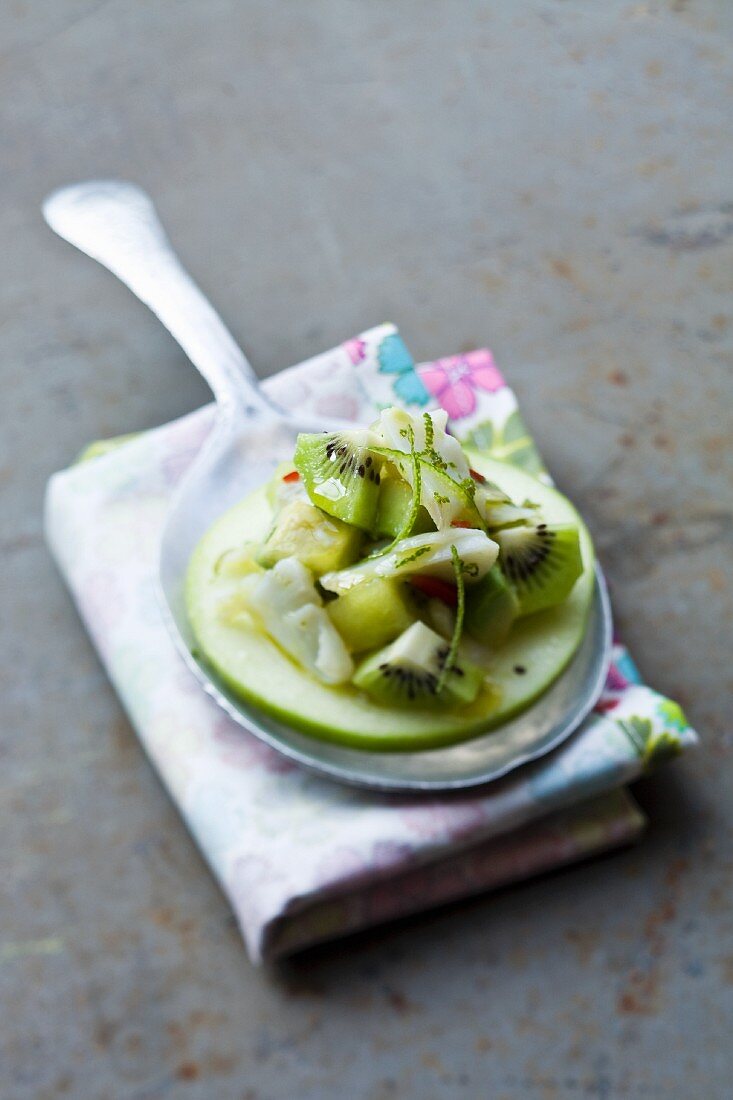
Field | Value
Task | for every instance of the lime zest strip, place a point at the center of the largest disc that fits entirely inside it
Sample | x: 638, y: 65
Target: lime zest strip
x: 416, y: 490
x: 458, y: 626
x: 464, y: 489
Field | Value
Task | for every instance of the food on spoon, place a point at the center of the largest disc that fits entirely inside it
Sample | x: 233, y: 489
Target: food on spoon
x: 432, y: 463
x: 461, y: 584
x: 408, y: 672
x: 285, y: 485
x: 431, y: 553
x: 341, y: 474
x: 435, y: 589
x: 292, y: 612
x: 542, y: 561
x: 369, y: 615
x: 394, y: 503
x: 492, y: 609
x: 320, y: 542
x: 500, y: 514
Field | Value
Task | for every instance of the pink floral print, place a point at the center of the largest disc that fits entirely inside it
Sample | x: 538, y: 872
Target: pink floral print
x: 454, y: 380
x: 356, y: 350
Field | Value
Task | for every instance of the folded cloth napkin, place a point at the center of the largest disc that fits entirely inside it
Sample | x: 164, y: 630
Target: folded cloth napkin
x: 302, y: 858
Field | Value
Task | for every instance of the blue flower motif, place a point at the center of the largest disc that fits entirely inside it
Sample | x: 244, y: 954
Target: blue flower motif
x: 394, y: 358
x: 672, y: 715
x: 626, y: 666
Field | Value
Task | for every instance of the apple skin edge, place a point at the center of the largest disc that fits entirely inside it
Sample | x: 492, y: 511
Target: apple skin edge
x: 251, y: 667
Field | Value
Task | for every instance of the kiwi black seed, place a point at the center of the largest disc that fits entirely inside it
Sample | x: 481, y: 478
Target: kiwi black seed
x: 411, y: 682
x: 415, y: 682
x: 350, y: 461
x: 542, y: 561
x: 344, y: 457
x: 411, y: 669
x: 442, y: 656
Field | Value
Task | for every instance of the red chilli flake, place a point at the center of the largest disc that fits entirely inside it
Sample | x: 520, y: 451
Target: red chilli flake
x: 477, y: 477
x: 292, y: 476
x: 461, y: 523
x: 435, y: 588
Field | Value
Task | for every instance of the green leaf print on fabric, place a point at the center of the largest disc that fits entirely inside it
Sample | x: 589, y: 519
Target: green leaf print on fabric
x: 481, y: 438
x: 672, y: 714
x: 515, y: 429
x: 652, y: 746
x: 103, y: 447
x: 509, y: 443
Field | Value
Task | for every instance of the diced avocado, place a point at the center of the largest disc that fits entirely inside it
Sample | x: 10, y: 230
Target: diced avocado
x: 372, y: 614
x: 320, y: 542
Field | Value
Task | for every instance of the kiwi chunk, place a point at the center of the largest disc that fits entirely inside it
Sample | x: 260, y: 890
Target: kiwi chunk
x: 341, y: 474
x: 320, y: 542
x: 542, y: 561
x: 393, y: 507
x: 491, y: 608
x: 372, y: 614
x: 408, y: 672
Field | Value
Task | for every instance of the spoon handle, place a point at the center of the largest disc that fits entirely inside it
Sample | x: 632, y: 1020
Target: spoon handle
x: 115, y: 223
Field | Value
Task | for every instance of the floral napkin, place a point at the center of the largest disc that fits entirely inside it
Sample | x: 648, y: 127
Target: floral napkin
x: 301, y: 858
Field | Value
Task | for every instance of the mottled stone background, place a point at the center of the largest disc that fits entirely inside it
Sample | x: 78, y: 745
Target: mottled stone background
x: 552, y: 178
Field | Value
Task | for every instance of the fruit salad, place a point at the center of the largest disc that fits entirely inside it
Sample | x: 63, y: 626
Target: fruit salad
x: 390, y: 590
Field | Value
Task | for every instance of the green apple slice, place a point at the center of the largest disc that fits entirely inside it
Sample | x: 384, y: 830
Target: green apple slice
x: 536, y: 651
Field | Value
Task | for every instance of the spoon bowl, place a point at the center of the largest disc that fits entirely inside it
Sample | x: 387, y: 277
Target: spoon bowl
x: 116, y: 224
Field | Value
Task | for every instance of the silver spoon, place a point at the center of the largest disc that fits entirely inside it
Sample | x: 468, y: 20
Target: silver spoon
x: 115, y: 223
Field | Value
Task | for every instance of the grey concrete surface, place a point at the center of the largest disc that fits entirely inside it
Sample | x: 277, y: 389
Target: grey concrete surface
x: 551, y: 178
